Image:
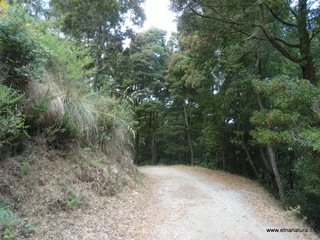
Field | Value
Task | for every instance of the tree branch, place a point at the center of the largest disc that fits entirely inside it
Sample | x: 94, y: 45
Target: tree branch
x: 272, y: 39
x: 314, y: 33
x: 293, y: 45
x: 221, y: 19
x: 280, y: 20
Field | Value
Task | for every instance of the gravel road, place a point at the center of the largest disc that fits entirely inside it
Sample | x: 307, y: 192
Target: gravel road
x: 194, y: 203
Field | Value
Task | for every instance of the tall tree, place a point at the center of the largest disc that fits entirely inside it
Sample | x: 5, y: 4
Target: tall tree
x: 184, y: 96
x: 291, y: 27
x: 145, y: 85
x: 102, y: 25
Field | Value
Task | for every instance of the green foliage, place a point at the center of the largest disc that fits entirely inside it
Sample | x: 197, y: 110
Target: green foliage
x: 288, y: 113
x: 13, y: 227
x: 306, y: 192
x: 68, y: 60
x: 73, y: 200
x: 12, y: 126
x: 287, y: 93
x: 95, y: 162
x: 22, y: 56
x: 241, y: 116
x: 311, y: 137
x: 25, y: 164
x: 91, y: 118
x: 100, y: 24
x: 39, y: 107
x: 288, y: 120
x: 82, y: 19
x: 149, y: 60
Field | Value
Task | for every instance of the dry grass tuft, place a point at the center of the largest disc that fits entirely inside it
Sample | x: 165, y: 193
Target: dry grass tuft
x: 105, y: 124
x: 81, y: 112
x: 93, y: 119
x: 43, y: 101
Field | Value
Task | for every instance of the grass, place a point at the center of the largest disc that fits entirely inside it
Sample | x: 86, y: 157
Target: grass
x: 25, y: 164
x: 104, y: 121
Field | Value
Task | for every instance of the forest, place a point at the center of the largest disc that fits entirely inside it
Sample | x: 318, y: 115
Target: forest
x: 235, y: 89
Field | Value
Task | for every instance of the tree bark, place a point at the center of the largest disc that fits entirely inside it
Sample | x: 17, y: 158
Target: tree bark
x: 272, y: 160
x: 153, y: 138
x: 268, y: 167
x: 224, y: 162
x: 250, y: 159
x: 188, y: 135
x: 307, y: 65
x: 274, y: 167
x: 265, y: 162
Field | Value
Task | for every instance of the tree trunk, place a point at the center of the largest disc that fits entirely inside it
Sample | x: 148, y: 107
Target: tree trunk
x: 223, y: 160
x: 250, y: 159
x: 153, y: 138
x: 265, y: 162
x: 267, y: 165
x: 272, y: 159
x: 245, y: 148
x: 307, y: 65
x: 153, y: 150
x: 99, y: 51
x: 189, y: 135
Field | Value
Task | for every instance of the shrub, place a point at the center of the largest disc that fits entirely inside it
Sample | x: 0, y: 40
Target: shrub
x: 12, y: 227
x: 12, y: 125
x: 22, y: 55
x: 306, y: 191
x: 68, y: 62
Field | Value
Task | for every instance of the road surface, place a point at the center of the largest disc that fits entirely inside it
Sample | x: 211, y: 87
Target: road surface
x: 194, y: 203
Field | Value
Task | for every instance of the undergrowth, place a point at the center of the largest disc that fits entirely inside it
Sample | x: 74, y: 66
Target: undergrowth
x: 12, y: 227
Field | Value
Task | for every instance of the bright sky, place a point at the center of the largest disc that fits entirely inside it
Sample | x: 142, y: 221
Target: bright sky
x: 159, y: 15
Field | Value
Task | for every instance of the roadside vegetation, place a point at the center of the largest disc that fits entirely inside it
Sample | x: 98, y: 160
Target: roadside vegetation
x: 63, y: 143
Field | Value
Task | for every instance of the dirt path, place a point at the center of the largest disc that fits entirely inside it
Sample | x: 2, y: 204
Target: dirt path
x: 194, y: 203
x: 177, y: 203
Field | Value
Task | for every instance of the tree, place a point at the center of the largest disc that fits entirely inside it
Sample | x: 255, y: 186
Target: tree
x: 290, y: 27
x: 183, y: 96
x: 37, y: 7
x: 146, y: 87
x: 284, y: 117
x: 100, y: 24
x: 149, y: 58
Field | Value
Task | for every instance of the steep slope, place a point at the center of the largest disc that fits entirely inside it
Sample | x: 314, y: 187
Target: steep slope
x: 43, y: 186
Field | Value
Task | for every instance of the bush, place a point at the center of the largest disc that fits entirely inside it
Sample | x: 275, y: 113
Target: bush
x: 68, y: 62
x: 12, y: 125
x: 13, y: 227
x: 22, y: 55
x: 306, y: 191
